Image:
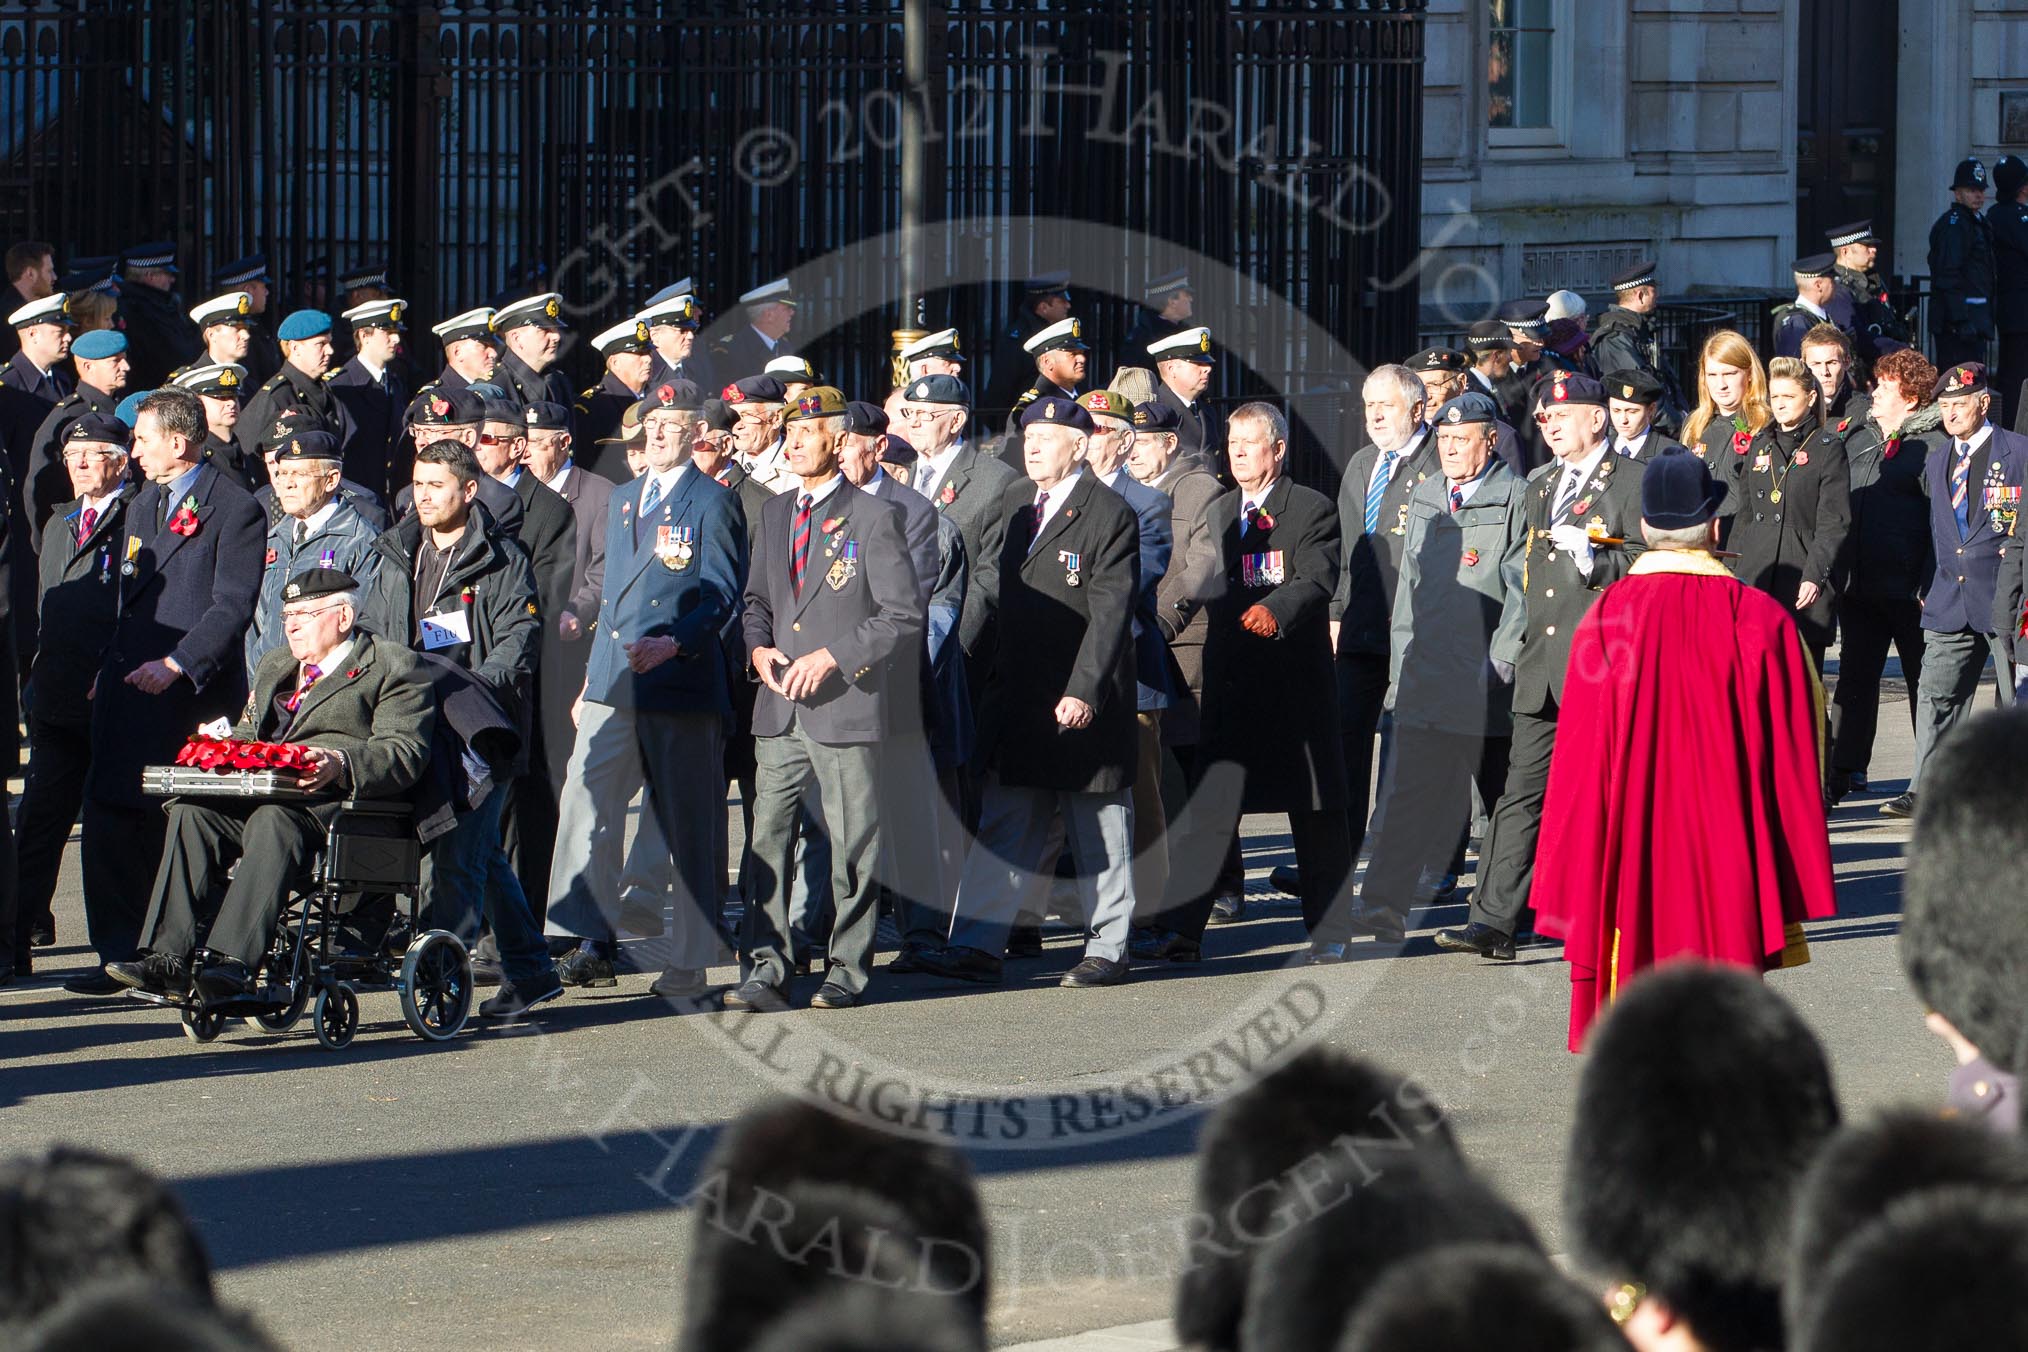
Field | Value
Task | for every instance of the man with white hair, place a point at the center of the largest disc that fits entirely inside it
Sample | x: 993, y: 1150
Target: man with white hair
x: 1584, y: 517
x: 318, y: 528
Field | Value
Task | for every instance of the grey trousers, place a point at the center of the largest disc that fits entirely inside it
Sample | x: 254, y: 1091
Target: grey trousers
x: 845, y: 780
x: 1010, y: 860
x: 680, y: 757
x: 1951, y: 666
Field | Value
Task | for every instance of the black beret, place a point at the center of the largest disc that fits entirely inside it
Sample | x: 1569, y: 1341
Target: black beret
x: 938, y: 389
x: 755, y: 390
x: 1634, y: 386
x: 1967, y: 377
x: 1157, y: 416
x: 311, y: 444
x: 543, y: 416
x: 1704, y: 1097
x: 898, y: 452
x: 312, y: 583
x: 449, y: 408
x: 102, y: 428
x: 498, y: 408
x: 1057, y: 412
x: 680, y: 395
x: 1439, y: 359
x: 1567, y: 387
x: 865, y: 418
x: 718, y: 415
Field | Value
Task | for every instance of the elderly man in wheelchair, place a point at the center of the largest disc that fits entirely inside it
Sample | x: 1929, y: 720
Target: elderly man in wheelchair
x: 364, y: 710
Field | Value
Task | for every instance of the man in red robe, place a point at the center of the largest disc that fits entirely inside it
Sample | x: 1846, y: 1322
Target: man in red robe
x: 1685, y: 786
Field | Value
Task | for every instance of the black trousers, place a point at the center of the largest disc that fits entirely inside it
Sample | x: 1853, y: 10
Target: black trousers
x: 528, y: 822
x: 272, y: 842
x: 1507, y: 863
x: 52, y: 792
x: 1428, y: 807
x: 1867, y: 626
x: 122, y: 848
x: 1200, y: 837
x: 1362, y: 698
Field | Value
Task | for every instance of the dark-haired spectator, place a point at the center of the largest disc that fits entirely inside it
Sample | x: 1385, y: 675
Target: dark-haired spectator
x: 31, y: 275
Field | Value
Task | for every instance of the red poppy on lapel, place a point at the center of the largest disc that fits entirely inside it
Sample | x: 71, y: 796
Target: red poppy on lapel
x: 948, y: 496
x: 467, y: 595
x: 185, y: 522
x: 831, y: 524
x: 1891, y: 448
x: 352, y: 675
x: 1740, y: 441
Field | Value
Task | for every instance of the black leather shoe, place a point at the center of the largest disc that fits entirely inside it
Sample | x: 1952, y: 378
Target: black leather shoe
x: 1024, y: 941
x: 1286, y: 878
x: 1095, y: 972
x: 1325, y: 955
x: 93, y: 982
x: 909, y: 959
x: 156, y: 973
x: 516, y: 1002
x: 586, y: 966
x: 42, y: 936
x: 1487, y: 942
x: 831, y: 995
x: 680, y: 983
x: 758, y: 997
x: 224, y: 979
x: 1383, y: 924
x: 1836, y: 785
x: 1161, y: 945
x: 963, y: 964
x: 1229, y: 909
x: 1902, y: 805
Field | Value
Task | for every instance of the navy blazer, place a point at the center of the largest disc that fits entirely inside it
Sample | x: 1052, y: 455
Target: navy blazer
x: 1967, y: 579
x: 188, y: 596
x: 1155, y: 512
x: 688, y: 593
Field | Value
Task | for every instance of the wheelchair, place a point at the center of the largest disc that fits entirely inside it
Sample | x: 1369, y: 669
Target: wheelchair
x: 370, y: 850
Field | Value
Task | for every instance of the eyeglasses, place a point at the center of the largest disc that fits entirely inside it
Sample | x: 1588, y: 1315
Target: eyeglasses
x: 487, y: 440
x: 300, y: 616
x: 300, y: 476
x: 917, y: 414
x: 83, y: 453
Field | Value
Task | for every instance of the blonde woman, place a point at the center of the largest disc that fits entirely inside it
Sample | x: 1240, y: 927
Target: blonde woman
x: 1731, y: 403
x: 1792, y: 506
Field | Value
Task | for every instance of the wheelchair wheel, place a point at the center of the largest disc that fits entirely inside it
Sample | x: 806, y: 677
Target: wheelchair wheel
x: 202, y: 1025
x: 436, y: 986
x: 337, y: 1017
x: 283, y: 1019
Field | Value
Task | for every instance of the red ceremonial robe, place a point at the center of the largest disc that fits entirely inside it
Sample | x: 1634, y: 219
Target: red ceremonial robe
x: 1685, y: 814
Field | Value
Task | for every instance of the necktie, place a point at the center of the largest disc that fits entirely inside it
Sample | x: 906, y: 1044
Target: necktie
x: 1457, y: 497
x: 303, y: 684
x: 1567, y: 494
x: 1960, y: 482
x: 799, y: 543
x: 302, y: 532
x: 1377, y: 488
x: 651, y: 497
x: 1035, y: 519
x: 926, y: 479
x: 85, y: 524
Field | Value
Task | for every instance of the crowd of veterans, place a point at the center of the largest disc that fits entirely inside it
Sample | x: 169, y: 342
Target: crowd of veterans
x: 980, y: 653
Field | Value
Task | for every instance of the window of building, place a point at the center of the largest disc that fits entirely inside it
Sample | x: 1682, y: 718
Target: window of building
x: 1522, y: 81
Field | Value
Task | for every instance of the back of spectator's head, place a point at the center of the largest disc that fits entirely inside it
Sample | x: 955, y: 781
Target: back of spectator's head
x: 872, y: 1319
x: 1343, y: 1228
x: 1864, y: 1169
x: 1964, y: 924
x: 1703, y: 1099
x: 1941, y: 1269
x: 1471, y: 1297
x: 73, y: 1216
x: 802, y: 1241
x: 140, y: 1317
x: 1323, y: 1106
x: 789, y: 1140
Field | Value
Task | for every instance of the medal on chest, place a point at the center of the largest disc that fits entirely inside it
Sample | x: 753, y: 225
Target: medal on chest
x: 845, y: 567
x: 675, y: 546
x: 1073, y: 567
x: 1262, y: 570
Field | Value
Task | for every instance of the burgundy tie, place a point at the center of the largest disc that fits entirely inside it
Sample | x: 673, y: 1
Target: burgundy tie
x: 799, y: 544
x: 85, y: 524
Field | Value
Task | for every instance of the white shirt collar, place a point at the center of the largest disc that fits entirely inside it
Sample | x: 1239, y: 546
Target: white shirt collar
x: 1805, y: 303
x: 1485, y: 381
x: 562, y: 476
x: 931, y: 469
x: 1409, y: 447
x: 1631, y: 448
x: 1584, y: 467
x: 1113, y: 480
x: 665, y: 480
x: 100, y: 504
x: 1247, y: 500
x: 320, y: 518
x: 820, y: 492
x: 1978, y: 438
x: 379, y: 373
x: 772, y: 344
x: 1057, y: 497
x: 336, y: 657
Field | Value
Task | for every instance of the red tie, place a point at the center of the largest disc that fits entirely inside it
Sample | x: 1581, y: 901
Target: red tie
x: 799, y: 543
x: 84, y: 526
x: 1457, y: 498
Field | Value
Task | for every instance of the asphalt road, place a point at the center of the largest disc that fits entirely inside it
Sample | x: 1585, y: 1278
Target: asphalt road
x: 524, y: 1189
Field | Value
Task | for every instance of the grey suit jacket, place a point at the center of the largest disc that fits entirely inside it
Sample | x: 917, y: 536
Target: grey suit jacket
x: 859, y: 600
x: 376, y: 708
x: 588, y: 495
x: 1195, y: 575
x: 970, y: 494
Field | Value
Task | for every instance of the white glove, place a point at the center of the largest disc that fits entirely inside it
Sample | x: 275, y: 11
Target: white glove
x: 1573, y: 540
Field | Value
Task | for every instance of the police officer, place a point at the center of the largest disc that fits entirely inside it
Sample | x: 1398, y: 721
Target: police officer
x: 1058, y: 356
x: 1961, y: 273
x: 250, y: 274
x: 299, y: 385
x: 161, y: 335
x: 369, y: 390
x: 1791, y: 507
x: 1815, y: 289
x: 2008, y: 224
x: 1632, y: 400
x: 1183, y: 365
x: 101, y: 361
x: 1588, y: 494
x: 768, y: 312
x: 218, y: 387
x: 1167, y: 304
x: 673, y: 319
x: 532, y: 332
x: 1624, y: 339
x: 629, y: 356
x: 1972, y: 607
x: 1876, y: 329
x: 1044, y: 302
